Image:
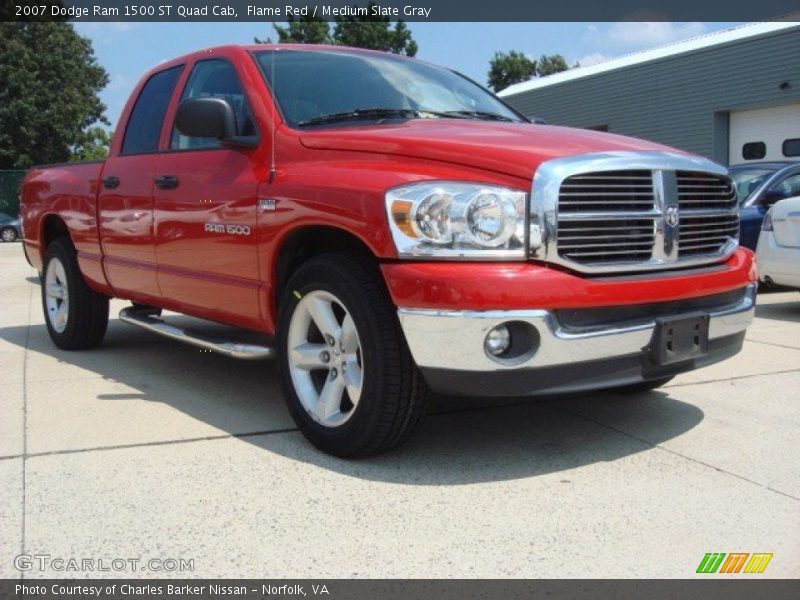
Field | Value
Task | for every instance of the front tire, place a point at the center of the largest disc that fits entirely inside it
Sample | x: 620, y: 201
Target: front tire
x: 348, y: 377
x: 76, y: 316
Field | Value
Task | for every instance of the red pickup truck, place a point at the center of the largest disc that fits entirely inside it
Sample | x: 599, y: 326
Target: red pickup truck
x: 394, y: 229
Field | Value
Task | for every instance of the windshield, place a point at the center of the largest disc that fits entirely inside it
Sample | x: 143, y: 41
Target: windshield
x: 310, y: 85
x: 748, y: 180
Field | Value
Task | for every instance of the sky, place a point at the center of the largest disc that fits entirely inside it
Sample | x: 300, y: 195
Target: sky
x: 128, y: 50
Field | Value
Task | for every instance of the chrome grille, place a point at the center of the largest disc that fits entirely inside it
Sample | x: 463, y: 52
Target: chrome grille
x: 607, y: 240
x: 632, y: 211
x: 620, y: 190
x: 705, y: 234
x: 595, y: 221
x: 704, y: 190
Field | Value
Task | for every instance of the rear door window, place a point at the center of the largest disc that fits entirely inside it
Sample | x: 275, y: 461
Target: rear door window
x: 147, y: 116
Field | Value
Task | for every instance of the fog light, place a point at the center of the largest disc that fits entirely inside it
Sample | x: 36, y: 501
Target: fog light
x: 497, y: 341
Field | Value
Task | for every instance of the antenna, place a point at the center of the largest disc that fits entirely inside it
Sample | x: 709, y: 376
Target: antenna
x: 272, y: 169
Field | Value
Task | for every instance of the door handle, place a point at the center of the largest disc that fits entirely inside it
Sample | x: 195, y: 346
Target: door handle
x: 167, y: 182
x: 110, y: 182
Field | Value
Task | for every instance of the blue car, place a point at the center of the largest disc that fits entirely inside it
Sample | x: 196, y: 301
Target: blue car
x: 10, y: 229
x: 759, y: 185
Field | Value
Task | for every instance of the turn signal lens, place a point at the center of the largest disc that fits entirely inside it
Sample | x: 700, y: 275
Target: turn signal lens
x: 401, y: 216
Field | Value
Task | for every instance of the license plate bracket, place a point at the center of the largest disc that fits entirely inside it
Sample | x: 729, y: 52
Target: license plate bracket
x: 677, y: 339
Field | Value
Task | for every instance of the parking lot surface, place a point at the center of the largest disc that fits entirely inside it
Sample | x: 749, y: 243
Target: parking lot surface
x: 147, y: 448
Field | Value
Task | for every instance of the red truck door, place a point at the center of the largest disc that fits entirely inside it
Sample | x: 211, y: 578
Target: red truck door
x: 205, y: 211
x: 125, y: 200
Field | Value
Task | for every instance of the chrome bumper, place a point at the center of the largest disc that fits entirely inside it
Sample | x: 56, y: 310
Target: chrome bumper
x: 453, y: 340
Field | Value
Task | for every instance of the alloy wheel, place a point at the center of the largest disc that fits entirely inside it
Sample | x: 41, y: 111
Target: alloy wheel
x: 325, y: 358
x: 56, y: 295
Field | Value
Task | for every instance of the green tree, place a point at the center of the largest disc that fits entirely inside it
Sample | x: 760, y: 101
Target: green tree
x: 508, y: 68
x: 48, y: 96
x: 374, y: 32
x: 548, y: 65
x: 92, y: 144
x: 369, y: 31
x: 305, y: 30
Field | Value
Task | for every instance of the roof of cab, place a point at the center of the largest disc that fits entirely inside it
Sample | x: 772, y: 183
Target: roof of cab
x: 256, y: 47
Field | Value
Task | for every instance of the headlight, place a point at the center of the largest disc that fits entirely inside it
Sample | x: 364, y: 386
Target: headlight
x: 457, y: 220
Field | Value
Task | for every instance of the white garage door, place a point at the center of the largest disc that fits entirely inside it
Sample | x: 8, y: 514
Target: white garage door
x: 765, y: 134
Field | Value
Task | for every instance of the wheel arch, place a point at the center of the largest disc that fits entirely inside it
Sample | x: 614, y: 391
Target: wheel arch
x: 52, y: 228
x: 307, y: 241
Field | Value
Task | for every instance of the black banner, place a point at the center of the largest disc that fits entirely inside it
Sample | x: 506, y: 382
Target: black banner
x: 456, y: 589
x: 408, y: 10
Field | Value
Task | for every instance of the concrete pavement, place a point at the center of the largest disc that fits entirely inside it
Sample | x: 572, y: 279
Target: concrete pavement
x: 146, y: 448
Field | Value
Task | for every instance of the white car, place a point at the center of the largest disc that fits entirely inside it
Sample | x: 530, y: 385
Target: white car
x: 778, y: 251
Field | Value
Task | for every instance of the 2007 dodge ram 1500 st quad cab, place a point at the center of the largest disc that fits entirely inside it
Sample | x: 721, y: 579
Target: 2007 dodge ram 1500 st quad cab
x: 394, y: 228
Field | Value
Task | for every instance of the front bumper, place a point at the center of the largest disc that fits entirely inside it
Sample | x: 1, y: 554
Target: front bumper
x: 574, y: 351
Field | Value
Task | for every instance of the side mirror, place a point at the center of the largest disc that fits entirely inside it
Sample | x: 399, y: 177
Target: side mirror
x: 772, y: 196
x: 206, y: 117
x: 211, y: 118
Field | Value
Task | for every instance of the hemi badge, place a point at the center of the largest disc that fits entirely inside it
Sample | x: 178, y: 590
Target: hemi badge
x: 267, y: 204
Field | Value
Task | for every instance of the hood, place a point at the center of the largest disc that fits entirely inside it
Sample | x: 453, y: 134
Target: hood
x: 512, y: 148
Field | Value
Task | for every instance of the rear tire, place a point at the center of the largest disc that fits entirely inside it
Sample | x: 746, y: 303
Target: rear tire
x: 350, y: 382
x: 76, y: 316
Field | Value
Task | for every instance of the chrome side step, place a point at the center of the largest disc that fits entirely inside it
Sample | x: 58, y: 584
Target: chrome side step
x: 148, y: 319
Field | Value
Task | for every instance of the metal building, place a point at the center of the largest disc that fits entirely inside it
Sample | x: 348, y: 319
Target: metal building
x: 732, y: 95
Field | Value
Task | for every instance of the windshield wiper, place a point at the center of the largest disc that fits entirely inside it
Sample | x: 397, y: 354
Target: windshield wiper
x: 367, y: 114
x: 480, y: 114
